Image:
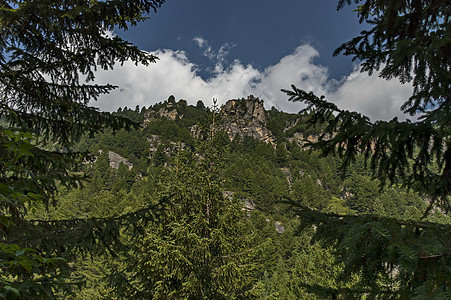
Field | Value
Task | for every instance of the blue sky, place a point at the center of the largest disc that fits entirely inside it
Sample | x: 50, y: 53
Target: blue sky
x: 260, y: 32
x: 230, y: 49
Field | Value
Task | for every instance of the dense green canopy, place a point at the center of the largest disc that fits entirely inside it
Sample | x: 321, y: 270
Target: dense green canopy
x: 409, y: 40
x: 49, y: 48
x: 49, y: 51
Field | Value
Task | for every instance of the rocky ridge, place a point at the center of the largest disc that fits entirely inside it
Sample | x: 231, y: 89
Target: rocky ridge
x: 237, y: 117
x: 245, y: 117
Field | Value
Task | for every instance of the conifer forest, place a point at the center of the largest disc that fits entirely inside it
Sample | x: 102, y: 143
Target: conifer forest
x: 235, y: 201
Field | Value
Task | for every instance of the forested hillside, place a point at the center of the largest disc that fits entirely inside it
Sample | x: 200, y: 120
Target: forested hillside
x: 227, y: 227
x: 179, y: 201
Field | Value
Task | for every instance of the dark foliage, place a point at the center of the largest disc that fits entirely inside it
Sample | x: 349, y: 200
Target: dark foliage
x: 47, y: 49
x: 409, y: 40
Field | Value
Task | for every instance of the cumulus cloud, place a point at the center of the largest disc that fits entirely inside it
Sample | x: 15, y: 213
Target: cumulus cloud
x: 174, y: 74
x: 296, y: 68
x: 372, y: 96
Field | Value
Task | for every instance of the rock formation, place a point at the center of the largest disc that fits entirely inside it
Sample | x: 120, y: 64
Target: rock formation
x: 116, y: 160
x: 245, y: 118
x: 168, y: 111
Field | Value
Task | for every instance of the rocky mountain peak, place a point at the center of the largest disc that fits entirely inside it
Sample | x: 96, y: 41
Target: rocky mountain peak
x: 250, y: 109
x: 246, y: 117
x: 170, y: 109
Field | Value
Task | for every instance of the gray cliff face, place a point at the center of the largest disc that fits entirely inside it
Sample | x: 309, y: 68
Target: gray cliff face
x: 116, y: 160
x: 237, y: 117
x: 169, y: 112
x: 301, y: 139
x: 245, y: 118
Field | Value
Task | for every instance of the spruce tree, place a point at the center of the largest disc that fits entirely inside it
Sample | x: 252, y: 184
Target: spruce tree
x: 48, y: 49
x: 408, y: 40
x: 199, y: 248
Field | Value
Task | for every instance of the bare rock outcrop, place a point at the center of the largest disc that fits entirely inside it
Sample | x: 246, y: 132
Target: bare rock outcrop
x: 116, y: 160
x: 302, y: 139
x: 246, y: 117
x: 279, y: 227
x: 169, y: 112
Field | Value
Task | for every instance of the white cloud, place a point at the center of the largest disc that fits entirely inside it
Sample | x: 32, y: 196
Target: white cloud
x: 174, y: 74
x: 298, y: 69
x: 372, y: 96
x: 200, y: 41
x: 218, y: 57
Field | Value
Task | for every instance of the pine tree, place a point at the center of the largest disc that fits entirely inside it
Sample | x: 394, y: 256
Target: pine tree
x: 199, y: 247
x: 308, y: 192
x: 47, y: 49
x: 408, y: 40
